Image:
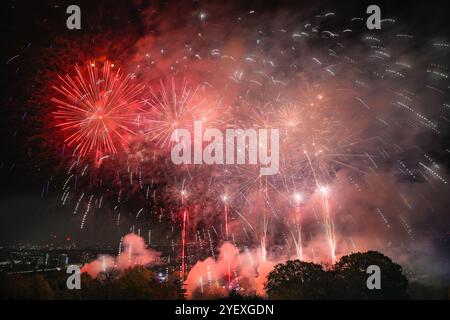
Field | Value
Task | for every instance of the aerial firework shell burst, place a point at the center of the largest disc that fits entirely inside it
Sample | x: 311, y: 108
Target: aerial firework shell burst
x: 97, y: 108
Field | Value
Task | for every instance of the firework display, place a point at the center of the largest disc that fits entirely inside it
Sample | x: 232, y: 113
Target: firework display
x: 299, y: 135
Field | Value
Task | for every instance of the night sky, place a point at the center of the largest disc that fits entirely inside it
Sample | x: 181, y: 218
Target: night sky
x: 37, y: 46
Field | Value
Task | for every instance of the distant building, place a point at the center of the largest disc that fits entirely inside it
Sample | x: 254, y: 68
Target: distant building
x: 63, y: 260
x: 40, y: 262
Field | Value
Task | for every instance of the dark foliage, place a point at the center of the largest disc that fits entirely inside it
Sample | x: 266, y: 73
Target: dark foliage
x: 346, y: 280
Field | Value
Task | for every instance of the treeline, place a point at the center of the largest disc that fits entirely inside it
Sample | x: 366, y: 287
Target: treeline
x: 347, y: 279
x: 137, y: 283
x: 360, y: 276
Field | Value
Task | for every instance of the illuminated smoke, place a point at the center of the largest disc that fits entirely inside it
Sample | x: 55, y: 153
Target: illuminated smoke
x: 135, y: 252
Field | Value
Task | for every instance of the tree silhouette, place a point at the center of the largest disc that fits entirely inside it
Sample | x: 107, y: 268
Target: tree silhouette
x: 296, y: 279
x: 346, y: 280
x: 106, y: 280
x: 139, y: 283
x: 351, y: 276
x: 25, y: 287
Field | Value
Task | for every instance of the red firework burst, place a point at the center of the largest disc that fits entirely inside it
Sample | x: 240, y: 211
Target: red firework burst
x: 98, y: 108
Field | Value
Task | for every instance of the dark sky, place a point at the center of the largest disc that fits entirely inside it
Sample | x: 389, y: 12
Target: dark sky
x: 29, y: 27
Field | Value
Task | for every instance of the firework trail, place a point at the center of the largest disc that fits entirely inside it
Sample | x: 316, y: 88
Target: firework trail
x: 297, y: 234
x: 225, y: 212
x: 329, y: 225
x: 185, y: 217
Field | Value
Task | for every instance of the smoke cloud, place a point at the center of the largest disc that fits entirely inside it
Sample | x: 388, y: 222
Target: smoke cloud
x: 244, y: 271
x: 134, y: 252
